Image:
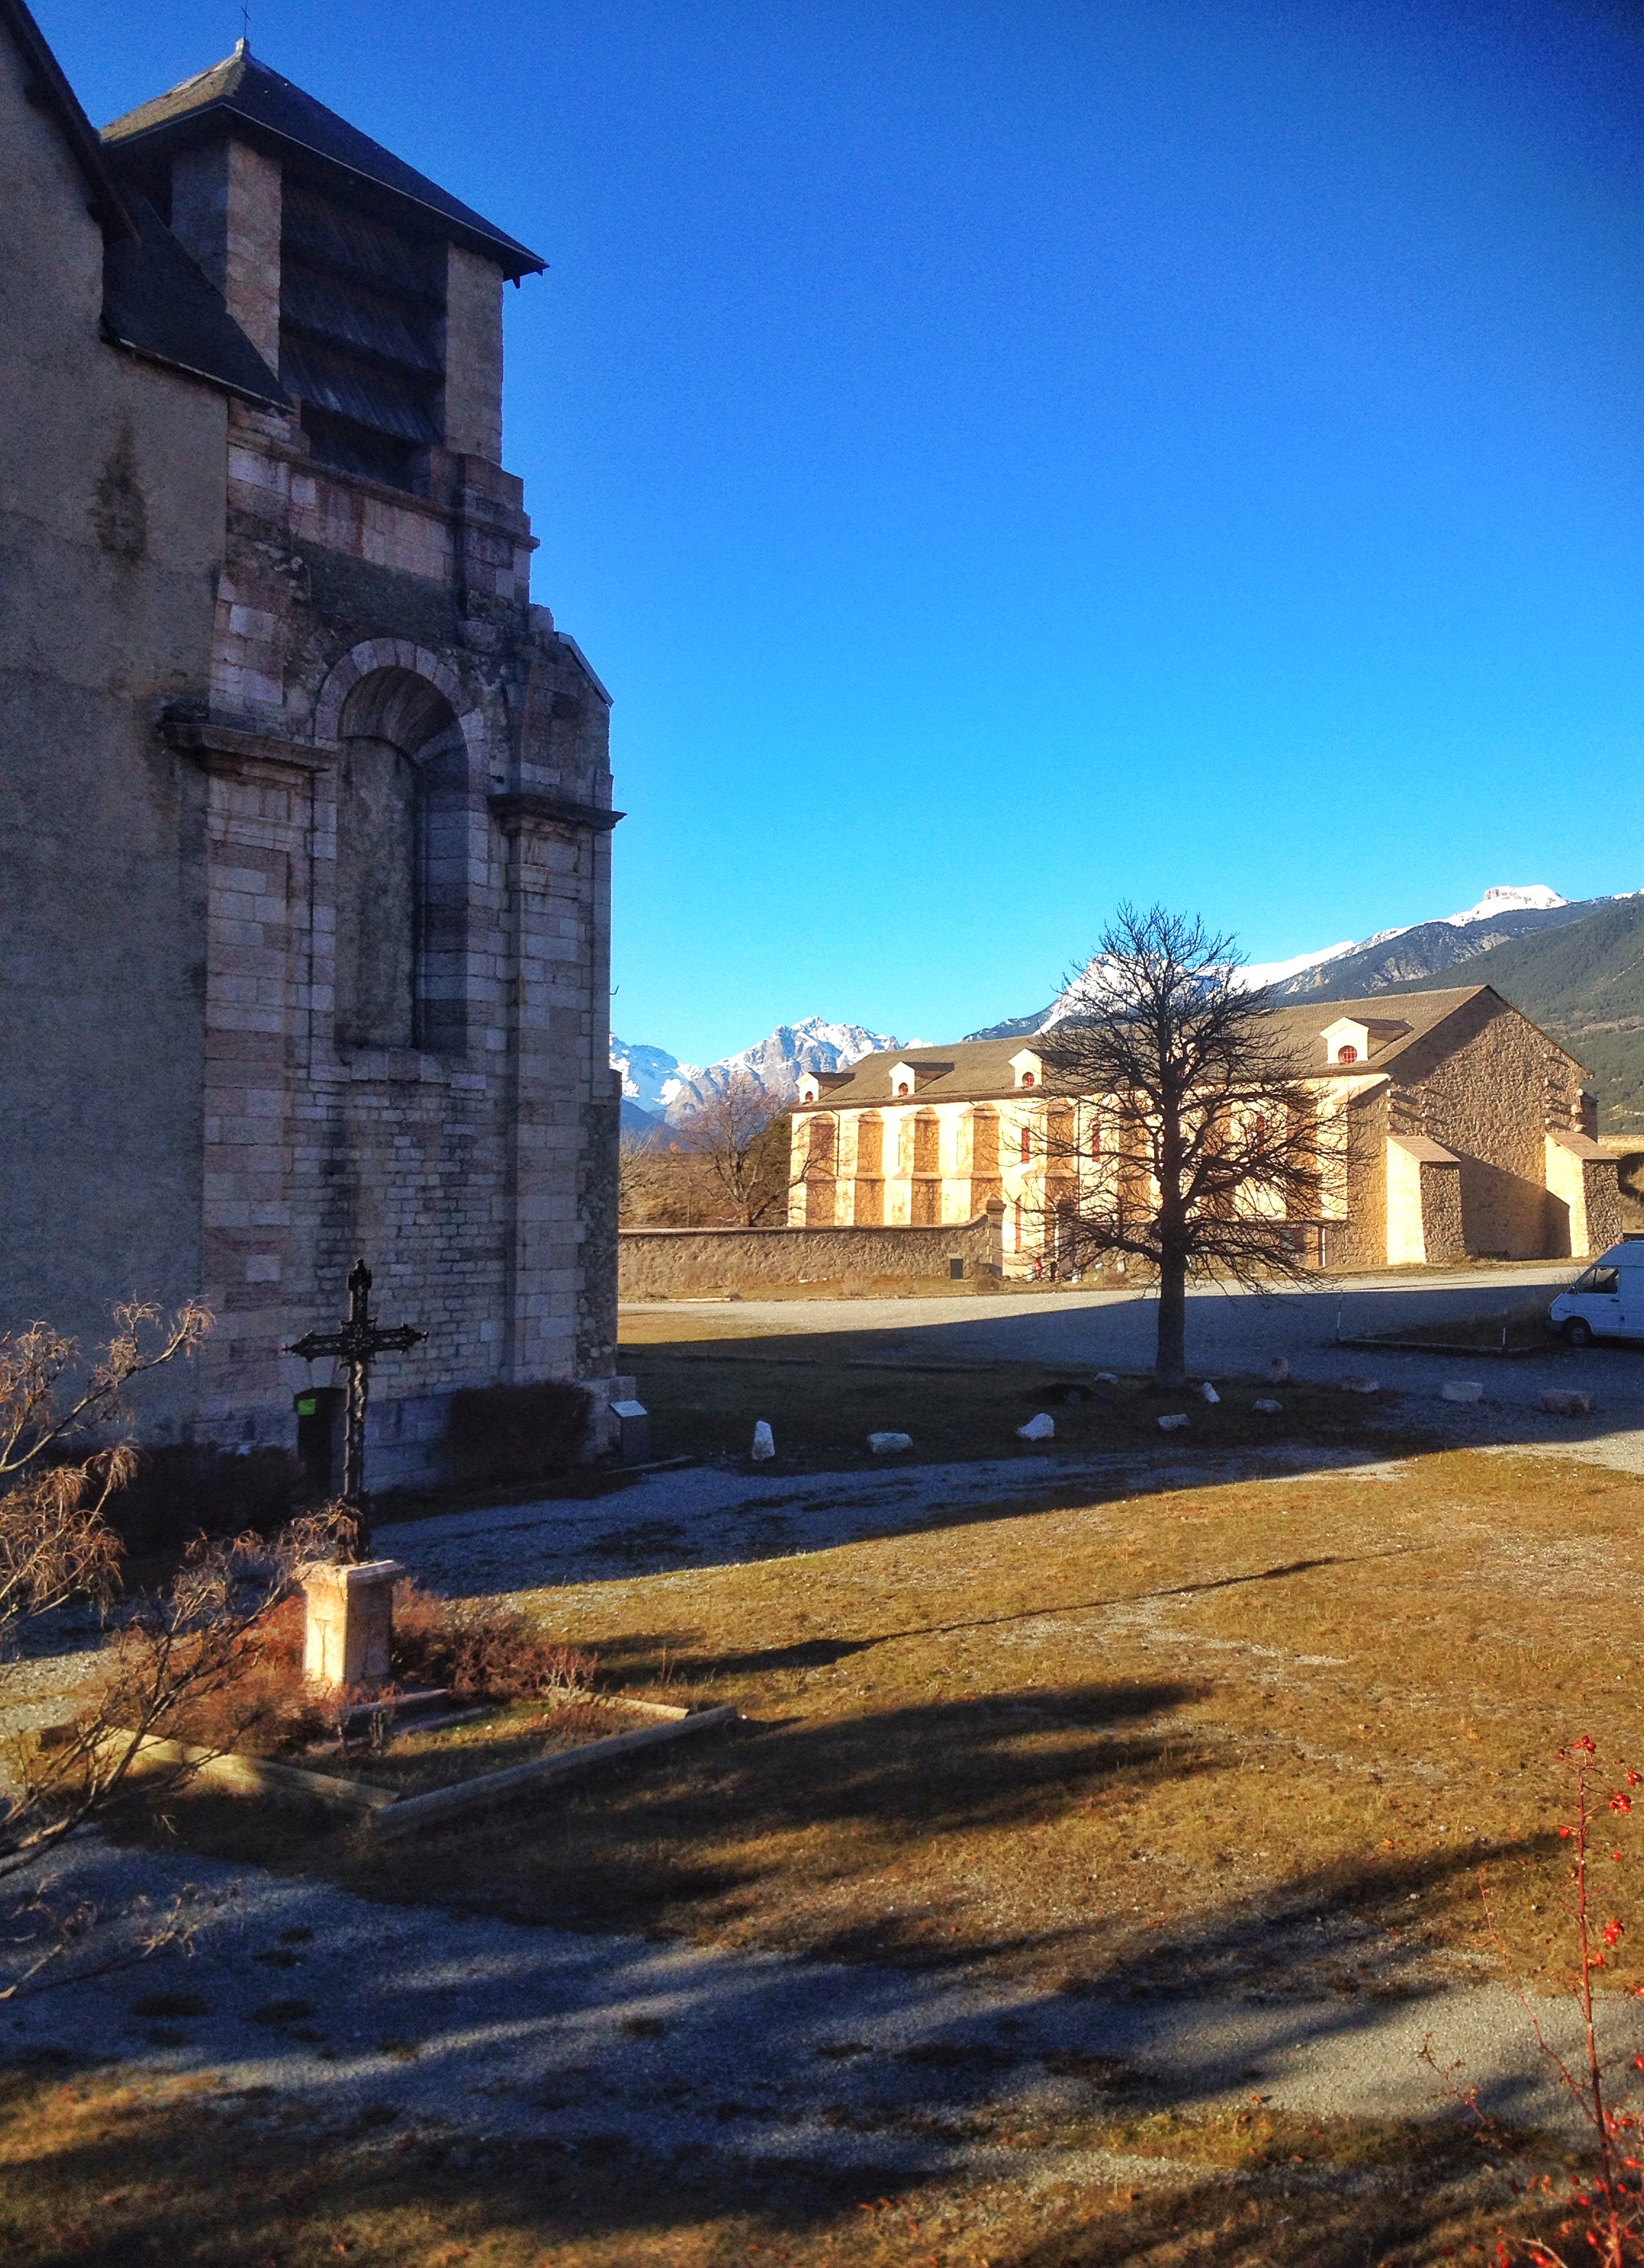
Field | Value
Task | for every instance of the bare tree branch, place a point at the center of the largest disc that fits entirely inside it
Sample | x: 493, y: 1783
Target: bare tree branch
x: 1189, y: 1136
x: 742, y: 1131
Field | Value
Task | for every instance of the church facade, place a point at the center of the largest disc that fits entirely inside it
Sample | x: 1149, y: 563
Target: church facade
x: 1467, y: 1134
x: 307, y: 808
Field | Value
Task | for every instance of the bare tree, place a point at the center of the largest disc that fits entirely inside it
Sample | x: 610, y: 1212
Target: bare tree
x: 636, y: 1169
x: 193, y: 1646
x: 742, y: 1130
x: 1189, y: 1136
x: 190, y: 1645
x: 54, y: 1542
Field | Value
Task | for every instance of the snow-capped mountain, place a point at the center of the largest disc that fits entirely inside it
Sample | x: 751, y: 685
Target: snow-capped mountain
x: 658, y: 1089
x: 669, y: 1091
x: 1390, y: 956
x: 651, y: 1076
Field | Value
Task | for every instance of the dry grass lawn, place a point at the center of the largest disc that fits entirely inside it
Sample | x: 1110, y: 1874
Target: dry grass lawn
x: 1263, y: 1734
x: 1145, y: 1740
x: 102, y: 2172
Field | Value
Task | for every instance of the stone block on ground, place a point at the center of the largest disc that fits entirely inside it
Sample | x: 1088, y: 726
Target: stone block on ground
x: 348, y: 1630
x: 1564, y: 1402
x: 1041, y: 1428
x: 1463, y: 1389
x: 764, y: 1442
x: 1209, y: 1392
x: 1278, y: 1371
x: 1173, y: 1421
x: 1270, y: 1408
x: 1360, y: 1385
x: 889, y: 1445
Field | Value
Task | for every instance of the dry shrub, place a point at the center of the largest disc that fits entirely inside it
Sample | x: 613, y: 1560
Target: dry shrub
x: 264, y: 1709
x: 481, y: 1651
x: 510, y: 1433
x: 187, y: 1489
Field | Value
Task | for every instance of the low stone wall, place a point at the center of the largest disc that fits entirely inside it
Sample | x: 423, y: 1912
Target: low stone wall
x: 674, y: 1263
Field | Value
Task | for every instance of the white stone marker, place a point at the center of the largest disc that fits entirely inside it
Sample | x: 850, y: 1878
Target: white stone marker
x: 764, y: 1441
x: 349, y: 1635
x: 1042, y: 1428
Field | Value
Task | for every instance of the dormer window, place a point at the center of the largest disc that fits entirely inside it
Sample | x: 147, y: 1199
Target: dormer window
x: 1025, y: 1068
x: 1348, y: 1053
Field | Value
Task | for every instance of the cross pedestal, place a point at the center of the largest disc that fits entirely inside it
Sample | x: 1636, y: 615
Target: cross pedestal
x: 349, y: 1636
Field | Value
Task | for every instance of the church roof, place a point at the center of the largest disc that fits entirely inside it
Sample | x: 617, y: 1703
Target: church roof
x: 241, y: 89
x: 156, y: 301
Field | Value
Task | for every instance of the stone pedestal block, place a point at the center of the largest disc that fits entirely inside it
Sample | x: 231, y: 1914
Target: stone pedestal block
x: 350, y: 1625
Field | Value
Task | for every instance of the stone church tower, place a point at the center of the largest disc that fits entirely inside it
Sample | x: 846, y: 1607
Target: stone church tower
x: 307, y: 954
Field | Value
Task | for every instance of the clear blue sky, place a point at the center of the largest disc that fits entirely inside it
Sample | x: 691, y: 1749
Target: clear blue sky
x: 1003, y: 458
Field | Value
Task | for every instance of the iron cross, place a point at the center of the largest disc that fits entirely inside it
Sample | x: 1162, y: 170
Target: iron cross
x: 356, y: 1343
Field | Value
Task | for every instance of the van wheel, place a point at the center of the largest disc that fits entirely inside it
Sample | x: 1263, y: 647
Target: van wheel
x: 1577, y: 1333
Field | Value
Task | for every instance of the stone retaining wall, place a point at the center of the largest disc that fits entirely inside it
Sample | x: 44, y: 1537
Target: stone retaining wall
x: 671, y: 1263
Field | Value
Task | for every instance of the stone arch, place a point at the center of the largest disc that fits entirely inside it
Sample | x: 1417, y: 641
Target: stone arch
x: 375, y: 655
x: 403, y: 815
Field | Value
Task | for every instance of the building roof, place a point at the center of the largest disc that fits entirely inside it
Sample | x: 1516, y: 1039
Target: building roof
x: 156, y: 301
x: 279, y: 115
x: 980, y: 1069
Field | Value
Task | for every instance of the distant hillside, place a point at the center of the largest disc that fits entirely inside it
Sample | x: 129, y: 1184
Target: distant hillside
x: 1584, y: 983
x: 1429, y: 950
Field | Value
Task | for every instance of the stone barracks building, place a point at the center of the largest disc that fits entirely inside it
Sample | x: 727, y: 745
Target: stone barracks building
x: 306, y: 811
x: 1469, y: 1135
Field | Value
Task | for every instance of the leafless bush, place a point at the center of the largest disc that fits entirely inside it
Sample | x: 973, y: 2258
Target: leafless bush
x: 55, y: 1541
x: 194, y: 1661
x: 482, y: 1651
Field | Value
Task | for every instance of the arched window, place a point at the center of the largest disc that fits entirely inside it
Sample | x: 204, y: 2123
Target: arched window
x: 401, y: 867
x: 902, y: 1087
x: 1027, y: 1144
x: 1028, y: 1079
x: 1347, y: 1055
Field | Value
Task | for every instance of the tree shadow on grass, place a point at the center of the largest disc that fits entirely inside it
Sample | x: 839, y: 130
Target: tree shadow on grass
x: 225, y: 2183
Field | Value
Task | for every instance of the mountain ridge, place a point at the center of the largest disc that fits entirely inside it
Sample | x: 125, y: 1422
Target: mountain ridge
x: 1525, y: 919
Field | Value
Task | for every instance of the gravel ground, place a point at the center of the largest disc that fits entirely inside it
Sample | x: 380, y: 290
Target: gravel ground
x: 710, y: 1516
x: 415, y: 2017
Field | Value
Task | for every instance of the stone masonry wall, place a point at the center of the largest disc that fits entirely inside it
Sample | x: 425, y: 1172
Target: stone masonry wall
x: 671, y: 1263
x: 111, y: 507
x: 1487, y: 1084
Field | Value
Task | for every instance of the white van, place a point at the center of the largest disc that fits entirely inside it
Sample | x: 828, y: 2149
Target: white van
x: 1607, y: 1301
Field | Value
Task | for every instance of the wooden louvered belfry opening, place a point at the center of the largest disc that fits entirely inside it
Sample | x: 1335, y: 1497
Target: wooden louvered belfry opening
x: 362, y: 310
